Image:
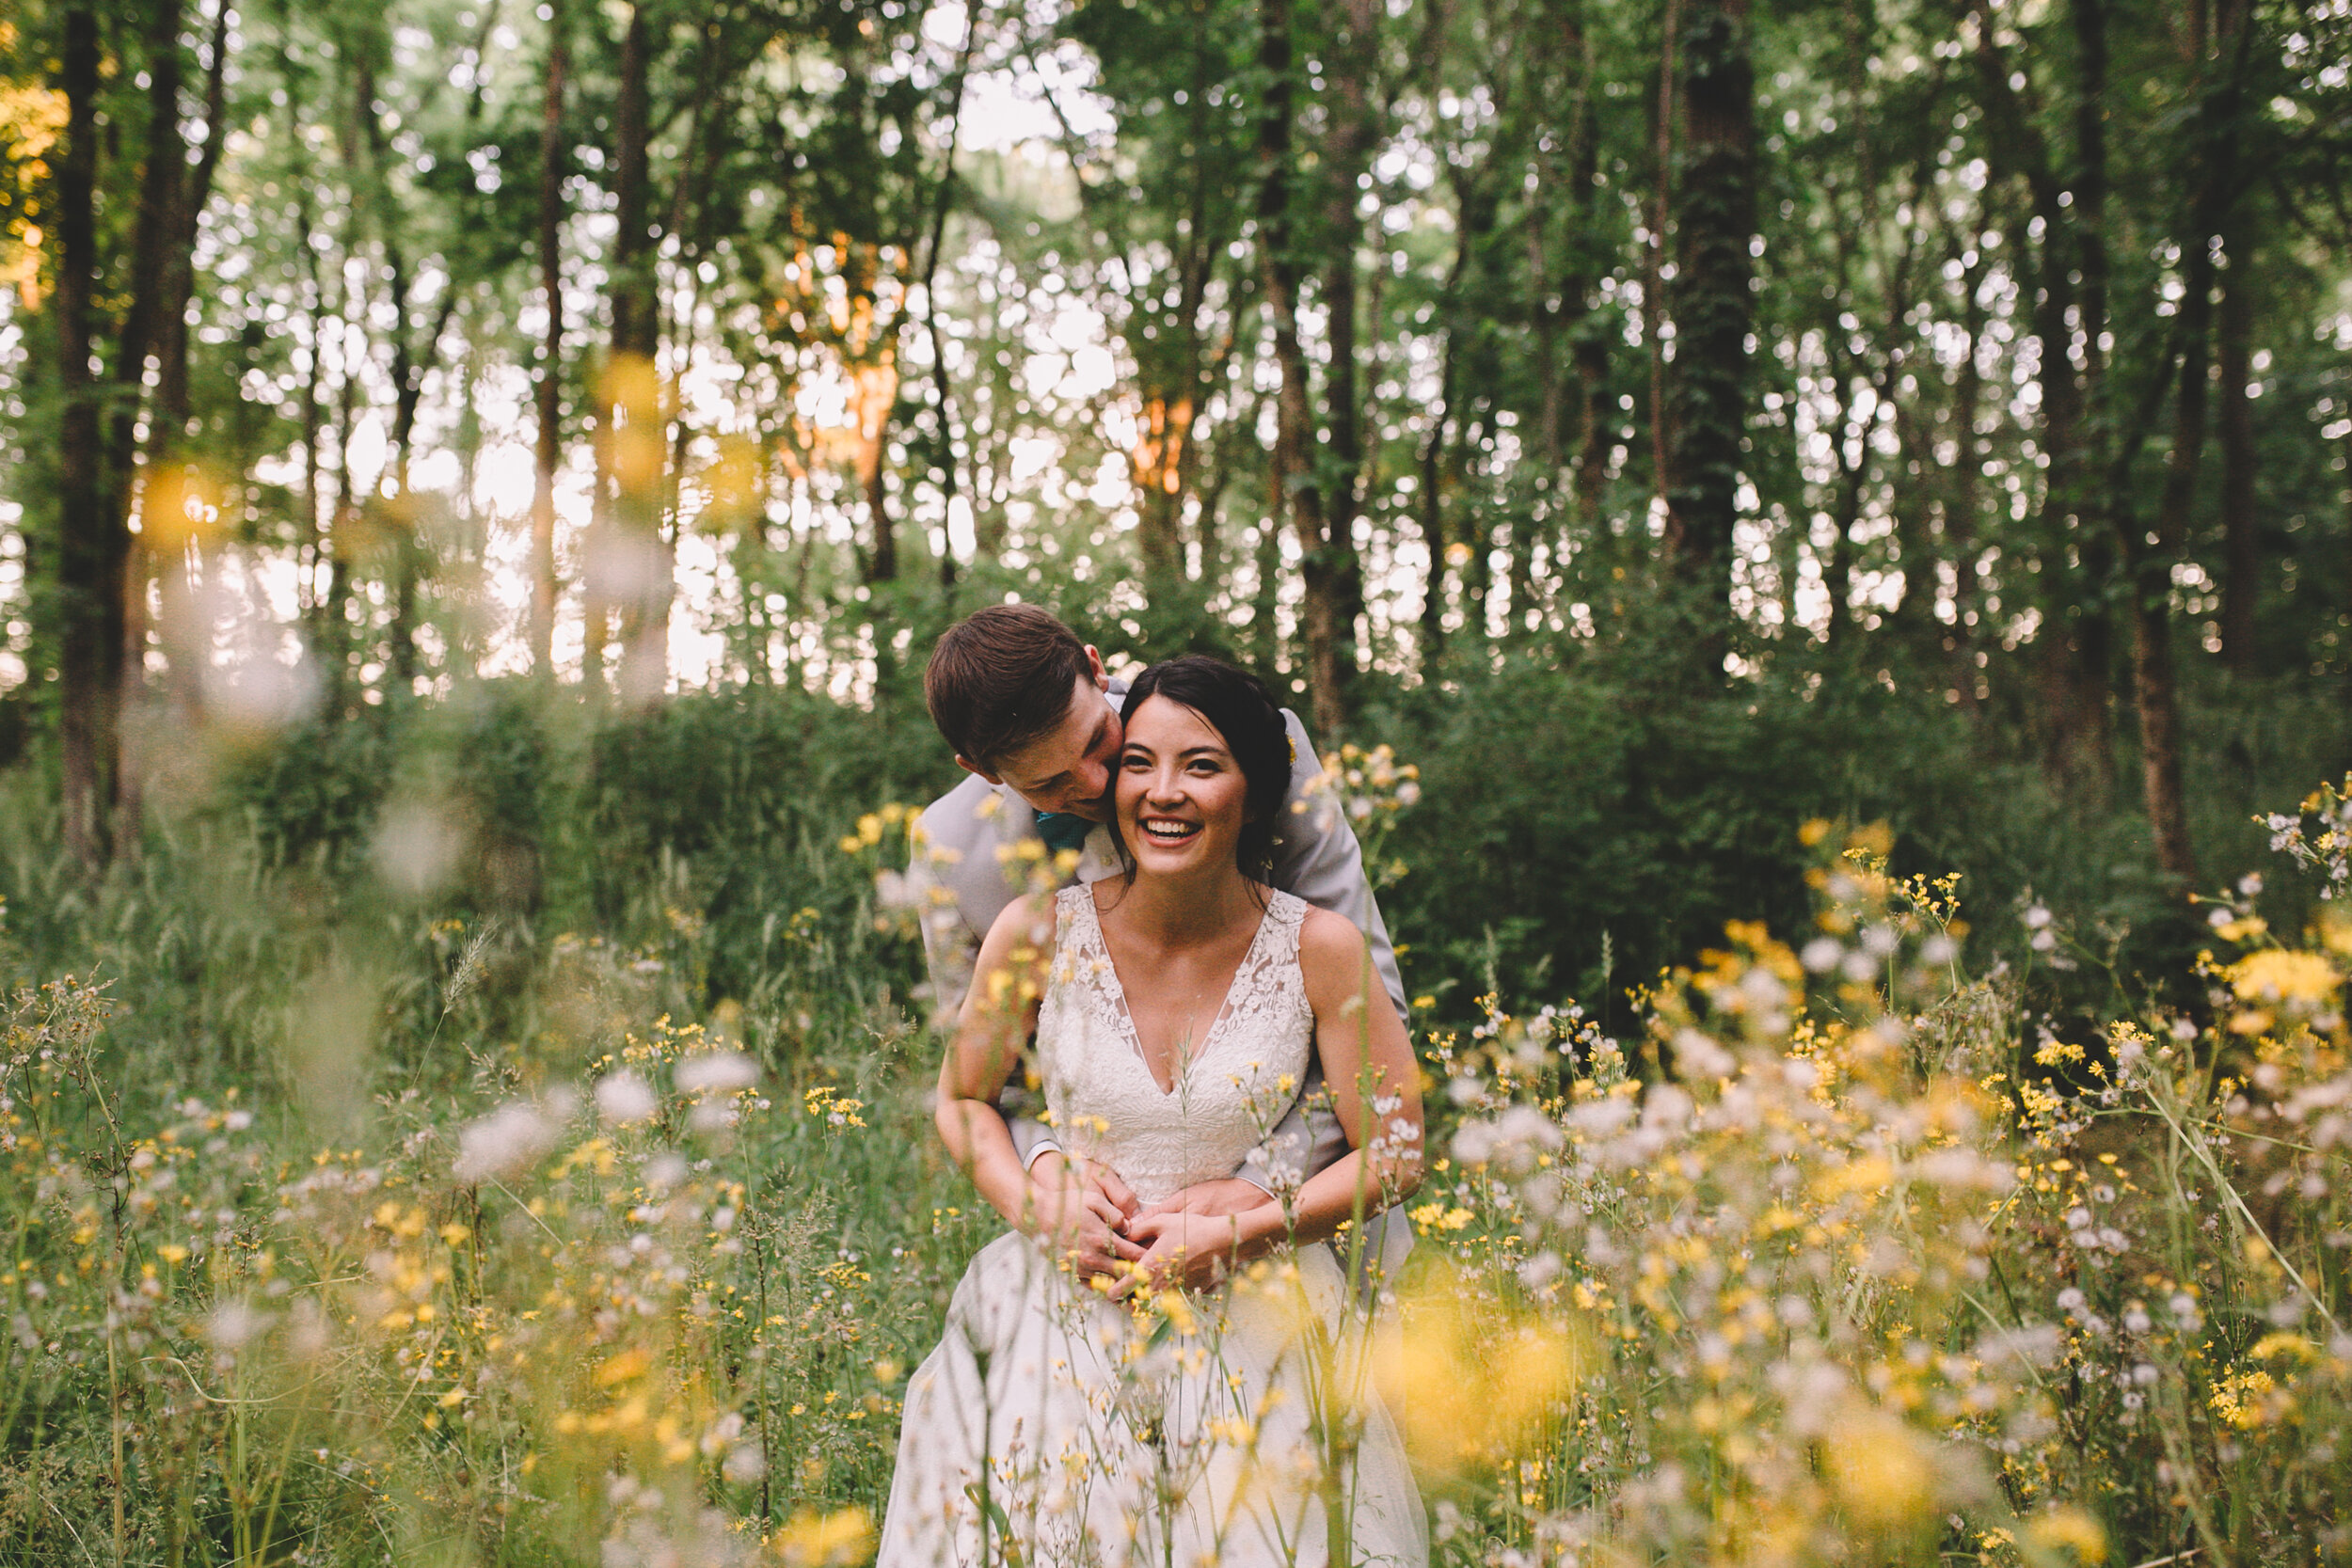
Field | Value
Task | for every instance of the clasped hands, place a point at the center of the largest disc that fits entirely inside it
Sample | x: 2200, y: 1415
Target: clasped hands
x: 1087, y: 1214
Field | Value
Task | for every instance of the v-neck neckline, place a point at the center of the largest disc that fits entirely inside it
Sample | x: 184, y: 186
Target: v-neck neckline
x: 1126, y: 1015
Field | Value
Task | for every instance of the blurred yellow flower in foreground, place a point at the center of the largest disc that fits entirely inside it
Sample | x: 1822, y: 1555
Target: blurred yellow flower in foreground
x: 1463, y: 1387
x: 2276, y: 976
x: 2069, y: 1526
x: 1882, y: 1472
x: 814, y: 1540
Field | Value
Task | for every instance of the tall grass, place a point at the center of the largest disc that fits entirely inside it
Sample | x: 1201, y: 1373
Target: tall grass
x: 519, y: 1153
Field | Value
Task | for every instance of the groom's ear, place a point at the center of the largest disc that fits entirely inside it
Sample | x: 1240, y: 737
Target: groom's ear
x: 1102, y: 679
x: 970, y: 767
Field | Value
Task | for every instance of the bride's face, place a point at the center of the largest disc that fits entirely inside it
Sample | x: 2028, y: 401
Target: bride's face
x: 1182, y: 797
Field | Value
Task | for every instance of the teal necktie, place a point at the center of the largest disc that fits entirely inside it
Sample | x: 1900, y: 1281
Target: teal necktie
x: 1062, y: 830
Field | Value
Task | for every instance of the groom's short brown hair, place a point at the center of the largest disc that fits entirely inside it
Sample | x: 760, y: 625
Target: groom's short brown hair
x: 1002, y: 677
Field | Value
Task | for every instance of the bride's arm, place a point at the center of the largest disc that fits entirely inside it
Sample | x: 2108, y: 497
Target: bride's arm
x: 1375, y: 1092
x: 998, y: 1014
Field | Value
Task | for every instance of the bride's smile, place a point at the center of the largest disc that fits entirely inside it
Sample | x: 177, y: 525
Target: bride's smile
x: 1181, y: 798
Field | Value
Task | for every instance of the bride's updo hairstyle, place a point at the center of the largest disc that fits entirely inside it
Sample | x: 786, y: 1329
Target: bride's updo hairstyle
x: 1238, y: 706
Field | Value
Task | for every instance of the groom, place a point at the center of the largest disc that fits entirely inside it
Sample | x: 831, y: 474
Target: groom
x: 1035, y: 725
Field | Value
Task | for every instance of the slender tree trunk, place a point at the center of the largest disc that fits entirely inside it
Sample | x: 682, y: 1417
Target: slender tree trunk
x: 1334, y: 574
x: 2074, y: 650
x: 873, y: 473
x: 2155, y: 686
x: 2241, y: 579
x: 92, y: 539
x: 643, y: 589
x: 163, y: 168
x: 551, y: 381
x: 1596, y: 413
x: 1713, y: 309
x: 1291, y: 498
x: 1431, y: 507
x: 2092, y: 672
x: 161, y: 203
x: 943, y: 202
x: 1654, y: 311
x: 1960, y: 492
x: 311, y: 549
x: 185, y: 561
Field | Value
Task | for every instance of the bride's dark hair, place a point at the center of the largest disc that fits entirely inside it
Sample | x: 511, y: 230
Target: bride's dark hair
x: 1238, y: 706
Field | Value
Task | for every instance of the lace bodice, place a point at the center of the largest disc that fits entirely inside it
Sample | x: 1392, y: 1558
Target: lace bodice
x: 1241, y: 1079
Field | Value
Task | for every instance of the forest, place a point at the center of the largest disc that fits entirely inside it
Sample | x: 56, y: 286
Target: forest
x: 480, y: 481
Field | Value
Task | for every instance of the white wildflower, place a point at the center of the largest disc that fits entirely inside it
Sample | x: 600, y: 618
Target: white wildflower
x: 722, y: 1071
x: 623, y: 1097
x: 504, y: 1141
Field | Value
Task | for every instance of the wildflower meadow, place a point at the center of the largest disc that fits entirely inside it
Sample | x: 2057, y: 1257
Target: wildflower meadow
x: 1831, y: 1251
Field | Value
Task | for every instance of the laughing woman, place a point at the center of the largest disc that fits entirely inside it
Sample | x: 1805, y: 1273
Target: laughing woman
x: 1079, y: 1409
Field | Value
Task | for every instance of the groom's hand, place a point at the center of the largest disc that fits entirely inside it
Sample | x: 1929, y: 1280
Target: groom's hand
x: 1081, y: 1215
x: 1208, y: 1200
x: 1105, y: 1183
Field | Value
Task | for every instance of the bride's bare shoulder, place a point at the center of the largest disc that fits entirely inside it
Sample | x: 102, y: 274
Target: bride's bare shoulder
x: 1327, y: 940
x: 1022, y: 927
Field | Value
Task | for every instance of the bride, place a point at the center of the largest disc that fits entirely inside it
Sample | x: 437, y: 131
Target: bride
x: 1167, y: 1387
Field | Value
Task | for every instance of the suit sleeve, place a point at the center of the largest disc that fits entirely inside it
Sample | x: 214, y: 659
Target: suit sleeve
x: 950, y: 947
x: 1316, y: 857
x: 940, y: 883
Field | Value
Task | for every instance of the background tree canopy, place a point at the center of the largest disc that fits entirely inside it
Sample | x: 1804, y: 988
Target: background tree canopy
x: 566, y: 426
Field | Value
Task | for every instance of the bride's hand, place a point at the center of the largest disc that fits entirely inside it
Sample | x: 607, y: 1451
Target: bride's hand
x: 1179, y: 1247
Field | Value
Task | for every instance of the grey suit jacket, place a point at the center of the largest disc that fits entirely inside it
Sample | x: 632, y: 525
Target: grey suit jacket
x: 969, y: 863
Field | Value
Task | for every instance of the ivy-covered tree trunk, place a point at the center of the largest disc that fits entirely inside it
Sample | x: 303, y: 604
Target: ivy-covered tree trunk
x: 1713, y: 308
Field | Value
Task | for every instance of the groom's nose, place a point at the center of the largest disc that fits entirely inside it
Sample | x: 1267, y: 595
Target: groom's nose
x: 1090, y: 782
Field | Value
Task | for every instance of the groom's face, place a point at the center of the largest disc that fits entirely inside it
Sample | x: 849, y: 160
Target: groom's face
x: 1070, y: 768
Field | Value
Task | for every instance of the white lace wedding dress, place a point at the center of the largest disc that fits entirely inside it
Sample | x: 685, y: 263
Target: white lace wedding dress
x: 1233, y: 1427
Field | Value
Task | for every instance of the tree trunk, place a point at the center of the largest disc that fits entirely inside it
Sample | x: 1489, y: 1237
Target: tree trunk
x: 162, y: 201
x: 2092, y: 669
x: 1334, y: 574
x: 1960, y: 492
x: 1431, y: 508
x: 873, y: 476
x: 943, y: 202
x: 1291, y: 498
x: 641, y: 583
x: 2155, y: 688
x: 2074, y: 649
x: 2241, y: 579
x: 1596, y: 413
x: 179, y: 560
x: 1661, y: 217
x: 93, y: 540
x: 550, y: 380
x: 1713, y: 309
